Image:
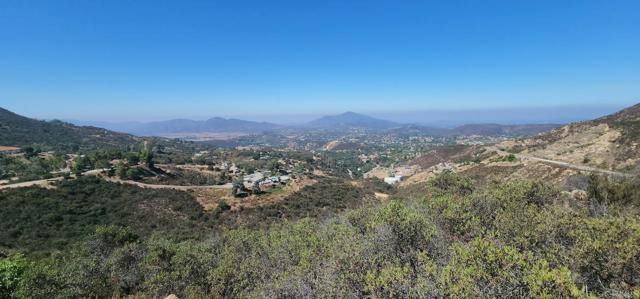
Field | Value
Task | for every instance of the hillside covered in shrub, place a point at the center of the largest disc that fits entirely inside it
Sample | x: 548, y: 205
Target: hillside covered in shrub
x: 38, y: 220
x: 17, y: 130
x: 452, y: 239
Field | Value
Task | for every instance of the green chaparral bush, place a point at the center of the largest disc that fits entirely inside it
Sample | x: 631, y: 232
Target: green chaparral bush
x: 29, y: 168
x: 606, y: 253
x: 607, y: 190
x: 39, y: 220
x: 485, y: 268
x: 509, y: 239
x: 12, y: 270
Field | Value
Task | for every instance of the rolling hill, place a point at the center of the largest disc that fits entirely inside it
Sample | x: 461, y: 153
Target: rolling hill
x: 341, y: 122
x: 17, y: 130
x: 187, y: 126
x: 503, y: 130
x: 563, y: 156
x: 351, y: 120
x: 475, y: 129
x: 610, y: 142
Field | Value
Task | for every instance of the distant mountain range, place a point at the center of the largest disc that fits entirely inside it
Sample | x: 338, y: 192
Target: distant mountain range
x: 502, y: 130
x: 212, y: 125
x: 349, y: 120
x: 345, y: 121
x: 341, y: 122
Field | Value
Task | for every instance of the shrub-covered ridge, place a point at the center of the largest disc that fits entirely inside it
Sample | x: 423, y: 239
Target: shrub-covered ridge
x: 517, y: 239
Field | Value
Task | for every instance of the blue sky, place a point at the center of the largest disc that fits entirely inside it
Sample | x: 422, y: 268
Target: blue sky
x: 149, y: 60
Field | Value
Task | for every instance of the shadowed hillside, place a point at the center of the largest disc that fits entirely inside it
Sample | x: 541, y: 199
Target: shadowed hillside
x: 16, y: 130
x: 40, y: 220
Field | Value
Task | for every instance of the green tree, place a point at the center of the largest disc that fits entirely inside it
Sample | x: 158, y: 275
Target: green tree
x: 133, y: 158
x: 255, y: 189
x: 29, y: 152
x: 12, y: 269
x: 146, y: 156
x: 133, y: 174
x: 237, y: 188
x: 80, y: 165
x: 121, y: 170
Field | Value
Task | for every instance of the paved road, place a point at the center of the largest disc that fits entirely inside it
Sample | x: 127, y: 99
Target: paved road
x: 565, y: 164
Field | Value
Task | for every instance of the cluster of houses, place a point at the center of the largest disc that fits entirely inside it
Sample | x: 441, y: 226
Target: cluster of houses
x: 258, y: 182
x: 259, y: 178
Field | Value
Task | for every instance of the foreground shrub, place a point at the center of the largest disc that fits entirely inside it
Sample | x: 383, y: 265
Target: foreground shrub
x: 12, y: 270
x: 485, y: 269
x: 607, y: 253
x: 514, y: 239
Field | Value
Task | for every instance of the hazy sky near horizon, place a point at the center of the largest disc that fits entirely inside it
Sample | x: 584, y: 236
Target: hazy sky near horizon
x: 150, y: 60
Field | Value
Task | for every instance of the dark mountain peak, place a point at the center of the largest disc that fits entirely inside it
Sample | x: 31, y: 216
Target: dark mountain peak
x: 5, y: 111
x: 216, y: 118
x: 18, y: 130
x: 352, y: 120
x: 351, y: 114
x: 6, y: 115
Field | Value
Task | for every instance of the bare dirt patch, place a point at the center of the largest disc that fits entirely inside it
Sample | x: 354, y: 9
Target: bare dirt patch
x: 269, y: 197
x: 4, y: 148
x: 381, y: 196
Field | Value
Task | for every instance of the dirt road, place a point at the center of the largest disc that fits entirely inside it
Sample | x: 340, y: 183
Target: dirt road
x: 524, y: 157
x: 174, y: 187
x: 45, y: 183
x: 41, y: 183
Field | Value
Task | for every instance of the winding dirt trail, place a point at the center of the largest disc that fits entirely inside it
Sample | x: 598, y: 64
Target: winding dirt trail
x: 42, y: 183
x: 564, y: 164
x: 174, y: 187
x: 96, y: 172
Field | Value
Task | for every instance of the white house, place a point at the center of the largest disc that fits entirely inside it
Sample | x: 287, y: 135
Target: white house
x: 392, y: 180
